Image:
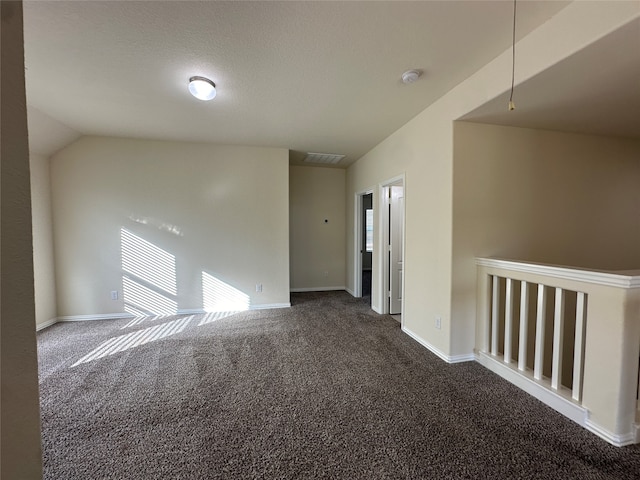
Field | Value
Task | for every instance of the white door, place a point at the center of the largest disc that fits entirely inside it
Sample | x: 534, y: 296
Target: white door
x: 396, y: 228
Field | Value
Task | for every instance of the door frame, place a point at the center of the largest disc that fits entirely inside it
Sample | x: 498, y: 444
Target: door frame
x: 382, y: 277
x: 359, y: 228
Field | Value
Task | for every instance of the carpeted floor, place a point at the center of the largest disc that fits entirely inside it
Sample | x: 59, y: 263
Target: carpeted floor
x: 325, y: 389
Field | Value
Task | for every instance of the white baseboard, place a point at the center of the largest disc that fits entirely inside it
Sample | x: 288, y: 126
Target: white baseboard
x: 119, y: 316
x: 268, y: 306
x: 316, y: 289
x: 48, y: 323
x: 438, y: 352
x: 615, y: 439
x: 260, y: 306
x: 98, y: 316
x: 565, y: 406
x: 350, y: 292
x: 463, y: 357
x: 191, y: 311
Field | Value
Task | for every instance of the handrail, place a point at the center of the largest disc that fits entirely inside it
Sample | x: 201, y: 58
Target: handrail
x: 602, y: 327
x: 613, y: 278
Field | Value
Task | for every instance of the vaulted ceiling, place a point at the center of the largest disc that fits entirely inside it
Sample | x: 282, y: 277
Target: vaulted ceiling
x: 307, y: 76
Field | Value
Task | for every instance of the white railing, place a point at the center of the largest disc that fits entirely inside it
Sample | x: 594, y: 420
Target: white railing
x: 570, y: 337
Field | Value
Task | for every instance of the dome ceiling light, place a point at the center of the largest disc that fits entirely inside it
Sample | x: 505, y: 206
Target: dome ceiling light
x: 202, y: 88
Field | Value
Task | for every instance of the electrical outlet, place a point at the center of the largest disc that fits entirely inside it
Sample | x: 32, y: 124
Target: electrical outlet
x: 438, y: 323
x: 326, y: 274
x: 114, y: 294
x: 258, y: 287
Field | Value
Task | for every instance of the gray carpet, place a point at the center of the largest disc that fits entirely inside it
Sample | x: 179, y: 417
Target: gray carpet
x: 325, y: 389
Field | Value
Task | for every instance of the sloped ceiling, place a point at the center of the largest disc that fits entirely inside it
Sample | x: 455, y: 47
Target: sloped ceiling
x: 47, y: 135
x: 307, y: 76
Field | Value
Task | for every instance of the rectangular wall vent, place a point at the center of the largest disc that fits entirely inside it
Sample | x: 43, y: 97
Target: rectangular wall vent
x: 323, y: 158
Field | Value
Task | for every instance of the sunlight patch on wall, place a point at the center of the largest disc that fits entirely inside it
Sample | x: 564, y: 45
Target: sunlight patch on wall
x: 218, y: 296
x: 134, y: 311
x: 143, y: 297
x: 134, y: 339
x: 148, y: 262
x: 149, y: 280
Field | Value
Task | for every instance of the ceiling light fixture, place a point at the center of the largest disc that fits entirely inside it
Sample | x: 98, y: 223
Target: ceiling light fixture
x: 202, y: 88
x: 410, y: 76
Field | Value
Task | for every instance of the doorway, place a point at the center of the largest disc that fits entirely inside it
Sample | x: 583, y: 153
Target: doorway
x: 366, y: 249
x: 364, y: 239
x: 387, y: 246
x: 395, y: 257
x: 391, y: 236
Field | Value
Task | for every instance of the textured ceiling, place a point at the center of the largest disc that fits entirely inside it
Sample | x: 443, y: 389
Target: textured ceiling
x: 307, y: 76
x: 596, y: 91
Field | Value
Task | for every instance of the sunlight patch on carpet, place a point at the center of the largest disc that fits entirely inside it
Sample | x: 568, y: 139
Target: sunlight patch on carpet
x: 213, y: 316
x: 143, y: 318
x: 137, y: 338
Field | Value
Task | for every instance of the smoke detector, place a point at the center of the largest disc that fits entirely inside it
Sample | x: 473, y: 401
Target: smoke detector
x: 410, y: 76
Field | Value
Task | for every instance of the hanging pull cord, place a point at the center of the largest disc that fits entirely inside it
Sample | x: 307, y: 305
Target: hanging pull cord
x: 512, y: 105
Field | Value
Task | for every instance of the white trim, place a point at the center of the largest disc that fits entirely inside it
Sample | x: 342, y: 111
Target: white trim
x: 611, y: 279
x: 317, y: 289
x: 194, y: 311
x: 396, y: 181
x: 382, y: 299
x: 98, y: 316
x: 119, y: 316
x: 48, y: 323
x: 357, y: 239
x: 463, y: 357
x: 268, y: 306
x: 350, y: 292
x: 537, y: 389
x: 613, y: 438
x: 381, y: 249
x: 436, y: 351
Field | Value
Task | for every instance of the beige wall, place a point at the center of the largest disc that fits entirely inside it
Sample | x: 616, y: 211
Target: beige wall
x: 540, y: 196
x: 20, y: 450
x: 423, y: 150
x: 416, y: 151
x: 317, y: 251
x: 43, y: 264
x: 217, y: 209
